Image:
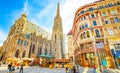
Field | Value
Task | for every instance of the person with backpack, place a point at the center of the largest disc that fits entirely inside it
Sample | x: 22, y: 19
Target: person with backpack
x: 9, y: 68
x: 13, y: 68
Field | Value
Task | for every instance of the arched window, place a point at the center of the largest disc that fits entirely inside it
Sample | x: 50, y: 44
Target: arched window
x: 107, y: 21
x: 92, y: 16
x: 94, y: 23
x: 91, y: 55
x: 17, y: 54
x: 28, y: 36
x: 19, y: 41
x: 84, y: 35
x: 91, y: 9
x: 110, y: 5
x: 25, y: 42
x: 40, y: 51
x: 110, y: 31
x: 97, y: 32
x: 55, y: 38
x: 30, y: 50
x: 104, y: 14
x: 118, y: 2
x: 45, y: 51
x: 23, y: 55
x: 113, y: 12
x: 82, y: 12
x: 116, y: 20
x: 81, y: 36
x: 82, y: 27
x: 87, y: 33
x: 33, y: 49
x: 101, y: 7
x: 86, y: 25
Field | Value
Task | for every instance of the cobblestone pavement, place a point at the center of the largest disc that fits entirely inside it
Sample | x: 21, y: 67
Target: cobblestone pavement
x: 35, y: 70
x: 62, y: 70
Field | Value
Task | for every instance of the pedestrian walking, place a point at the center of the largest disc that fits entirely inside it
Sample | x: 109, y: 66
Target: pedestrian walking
x: 17, y: 65
x: 9, y: 68
x: 69, y: 70
x: 95, y: 69
x: 21, y: 69
x: 66, y: 69
x: 74, y: 69
x: 13, y: 68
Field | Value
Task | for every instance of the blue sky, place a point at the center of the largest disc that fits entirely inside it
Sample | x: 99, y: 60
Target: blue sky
x: 40, y: 12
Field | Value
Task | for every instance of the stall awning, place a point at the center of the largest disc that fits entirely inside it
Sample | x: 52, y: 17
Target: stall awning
x: 46, y: 56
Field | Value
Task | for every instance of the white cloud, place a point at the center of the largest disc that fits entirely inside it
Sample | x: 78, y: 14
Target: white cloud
x: 3, y: 37
x: 45, y: 17
x: 68, y: 10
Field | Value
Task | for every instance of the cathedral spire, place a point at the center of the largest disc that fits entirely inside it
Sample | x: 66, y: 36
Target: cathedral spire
x: 24, y: 14
x: 58, y: 10
x: 57, y: 35
x: 25, y: 9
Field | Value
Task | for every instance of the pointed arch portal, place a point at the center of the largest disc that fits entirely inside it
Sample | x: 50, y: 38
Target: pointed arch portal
x: 17, y: 54
x: 23, y: 55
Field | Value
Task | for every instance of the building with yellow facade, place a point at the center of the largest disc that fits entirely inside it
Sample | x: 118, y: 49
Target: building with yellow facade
x: 70, y: 47
x: 28, y: 40
x: 96, y: 32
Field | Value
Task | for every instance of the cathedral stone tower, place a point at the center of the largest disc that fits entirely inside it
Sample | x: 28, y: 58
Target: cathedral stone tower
x: 57, y: 35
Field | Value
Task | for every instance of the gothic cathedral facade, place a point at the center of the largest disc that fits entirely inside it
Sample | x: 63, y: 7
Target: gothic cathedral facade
x: 26, y: 39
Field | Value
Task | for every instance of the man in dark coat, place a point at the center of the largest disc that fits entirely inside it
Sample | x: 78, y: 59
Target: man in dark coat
x: 10, y: 68
x: 74, y: 69
x: 21, y: 69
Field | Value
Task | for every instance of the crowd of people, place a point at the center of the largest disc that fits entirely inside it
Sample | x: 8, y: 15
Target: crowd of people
x: 70, y: 68
x: 11, y: 68
x: 73, y: 69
